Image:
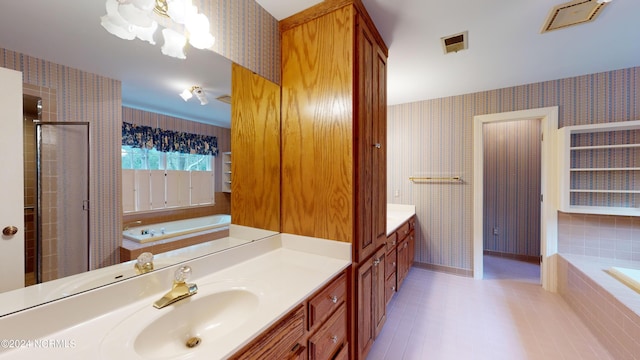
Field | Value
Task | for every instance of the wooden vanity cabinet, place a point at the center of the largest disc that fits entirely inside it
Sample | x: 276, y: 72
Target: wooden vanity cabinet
x: 334, y: 146
x: 371, y: 303
x: 391, y: 267
x: 406, y: 250
x: 316, y: 329
x: 284, y: 340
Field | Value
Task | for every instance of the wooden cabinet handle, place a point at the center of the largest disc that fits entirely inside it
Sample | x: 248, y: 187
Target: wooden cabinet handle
x: 334, y: 299
x: 393, y: 288
x: 377, y: 145
x: 394, y: 264
x: 334, y: 339
x: 376, y: 262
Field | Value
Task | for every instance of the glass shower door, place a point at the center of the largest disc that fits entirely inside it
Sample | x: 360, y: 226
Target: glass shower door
x: 62, y: 160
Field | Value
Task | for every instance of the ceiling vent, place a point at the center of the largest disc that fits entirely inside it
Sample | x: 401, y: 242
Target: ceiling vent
x: 224, y: 99
x: 573, y: 13
x: 455, y: 43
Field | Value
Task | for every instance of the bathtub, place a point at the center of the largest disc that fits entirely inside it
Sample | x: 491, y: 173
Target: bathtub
x: 629, y: 277
x: 154, y: 232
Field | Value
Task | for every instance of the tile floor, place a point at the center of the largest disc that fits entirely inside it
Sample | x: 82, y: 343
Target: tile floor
x: 505, y: 316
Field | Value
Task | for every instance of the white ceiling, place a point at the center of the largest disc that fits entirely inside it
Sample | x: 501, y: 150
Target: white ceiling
x: 505, y: 48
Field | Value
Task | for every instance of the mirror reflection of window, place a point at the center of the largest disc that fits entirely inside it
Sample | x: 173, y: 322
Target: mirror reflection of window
x: 151, y: 159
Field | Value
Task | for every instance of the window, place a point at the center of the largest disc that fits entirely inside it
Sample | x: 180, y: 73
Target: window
x: 151, y: 159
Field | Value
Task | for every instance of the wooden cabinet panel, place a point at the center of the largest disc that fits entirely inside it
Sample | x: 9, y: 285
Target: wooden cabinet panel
x: 255, y: 144
x: 330, y: 337
x: 317, y: 127
x: 390, y: 288
x: 327, y: 301
x: 343, y: 354
x: 281, y: 341
x: 403, y: 231
x: 392, y: 241
x: 379, y: 302
x: 392, y: 263
x: 403, y: 251
x: 365, y: 308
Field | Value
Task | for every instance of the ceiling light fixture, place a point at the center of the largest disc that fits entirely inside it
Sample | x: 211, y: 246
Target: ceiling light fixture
x: 197, y: 91
x: 130, y: 19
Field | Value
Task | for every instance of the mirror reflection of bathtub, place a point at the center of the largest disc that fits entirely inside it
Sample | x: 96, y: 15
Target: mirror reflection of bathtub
x: 174, y: 229
x: 162, y: 237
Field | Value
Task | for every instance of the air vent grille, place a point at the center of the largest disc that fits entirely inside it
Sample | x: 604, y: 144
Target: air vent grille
x: 572, y: 13
x: 224, y: 98
x: 455, y: 42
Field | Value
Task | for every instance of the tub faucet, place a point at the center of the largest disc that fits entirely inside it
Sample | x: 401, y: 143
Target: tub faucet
x: 180, y: 289
x: 126, y: 226
x: 144, y: 263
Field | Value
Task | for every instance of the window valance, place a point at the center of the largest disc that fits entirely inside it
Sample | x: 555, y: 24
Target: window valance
x: 167, y: 140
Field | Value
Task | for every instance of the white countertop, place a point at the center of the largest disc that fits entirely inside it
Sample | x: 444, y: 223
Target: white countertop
x: 397, y: 214
x: 284, y: 269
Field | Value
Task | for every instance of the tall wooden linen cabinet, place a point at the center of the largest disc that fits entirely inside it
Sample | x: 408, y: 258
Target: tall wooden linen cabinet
x: 333, y: 131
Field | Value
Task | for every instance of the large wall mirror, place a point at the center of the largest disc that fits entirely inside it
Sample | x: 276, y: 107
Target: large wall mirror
x: 72, y: 72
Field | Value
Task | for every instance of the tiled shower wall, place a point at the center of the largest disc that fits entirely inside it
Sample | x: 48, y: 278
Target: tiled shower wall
x: 434, y: 138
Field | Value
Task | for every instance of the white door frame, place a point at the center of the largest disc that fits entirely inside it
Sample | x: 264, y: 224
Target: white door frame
x: 549, y: 188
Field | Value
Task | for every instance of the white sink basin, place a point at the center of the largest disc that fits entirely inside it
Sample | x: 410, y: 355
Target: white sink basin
x: 183, y: 329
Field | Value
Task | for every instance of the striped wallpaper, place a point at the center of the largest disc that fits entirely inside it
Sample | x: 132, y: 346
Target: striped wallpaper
x: 512, y: 153
x: 434, y: 138
x: 81, y: 96
x: 246, y: 34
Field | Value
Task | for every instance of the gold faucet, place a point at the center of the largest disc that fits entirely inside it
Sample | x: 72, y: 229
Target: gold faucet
x: 180, y: 289
x: 126, y: 226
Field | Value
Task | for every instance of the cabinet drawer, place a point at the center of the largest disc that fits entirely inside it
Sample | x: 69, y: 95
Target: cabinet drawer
x: 403, y: 231
x: 330, y: 337
x: 412, y: 223
x: 281, y: 341
x: 343, y: 354
x: 327, y: 301
x: 390, y: 287
x: 392, y: 240
x: 392, y: 263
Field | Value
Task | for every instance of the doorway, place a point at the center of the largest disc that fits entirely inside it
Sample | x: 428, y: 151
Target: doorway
x: 62, y: 205
x: 511, y: 197
x: 548, y: 118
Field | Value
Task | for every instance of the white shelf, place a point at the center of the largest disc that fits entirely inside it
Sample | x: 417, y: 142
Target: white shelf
x: 574, y: 200
x: 607, y: 169
x: 226, y: 172
x: 605, y: 147
x: 605, y: 191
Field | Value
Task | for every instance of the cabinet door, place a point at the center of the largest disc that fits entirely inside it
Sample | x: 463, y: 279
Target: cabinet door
x: 380, y: 300
x: 403, y: 251
x: 379, y: 162
x: 365, y: 329
x: 366, y: 240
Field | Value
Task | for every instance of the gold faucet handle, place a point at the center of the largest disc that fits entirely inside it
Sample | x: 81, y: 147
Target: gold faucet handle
x: 144, y: 263
x: 182, y: 274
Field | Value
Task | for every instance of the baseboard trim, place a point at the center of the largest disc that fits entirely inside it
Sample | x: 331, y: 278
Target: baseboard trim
x: 519, y: 257
x: 444, y: 269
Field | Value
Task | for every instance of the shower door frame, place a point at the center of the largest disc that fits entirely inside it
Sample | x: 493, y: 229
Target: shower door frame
x: 86, y: 207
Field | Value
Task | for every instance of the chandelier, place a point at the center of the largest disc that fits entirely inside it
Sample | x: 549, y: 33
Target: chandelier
x: 130, y: 19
